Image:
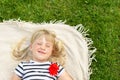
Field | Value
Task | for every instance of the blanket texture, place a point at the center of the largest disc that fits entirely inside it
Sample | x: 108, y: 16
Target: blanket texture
x: 77, y: 45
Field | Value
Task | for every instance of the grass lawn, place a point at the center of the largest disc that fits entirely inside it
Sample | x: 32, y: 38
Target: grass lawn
x: 101, y: 17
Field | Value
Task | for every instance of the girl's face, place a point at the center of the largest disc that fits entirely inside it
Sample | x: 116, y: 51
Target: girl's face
x: 41, y: 49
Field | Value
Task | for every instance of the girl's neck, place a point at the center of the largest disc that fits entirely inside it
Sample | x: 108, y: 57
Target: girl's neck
x: 40, y: 61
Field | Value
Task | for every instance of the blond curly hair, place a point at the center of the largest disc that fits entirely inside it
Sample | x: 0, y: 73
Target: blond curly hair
x: 58, y: 54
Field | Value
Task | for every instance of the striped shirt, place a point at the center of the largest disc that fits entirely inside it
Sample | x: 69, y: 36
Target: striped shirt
x: 36, y: 71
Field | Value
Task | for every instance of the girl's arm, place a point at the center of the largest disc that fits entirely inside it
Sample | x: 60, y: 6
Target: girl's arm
x: 65, y: 76
x: 15, y: 77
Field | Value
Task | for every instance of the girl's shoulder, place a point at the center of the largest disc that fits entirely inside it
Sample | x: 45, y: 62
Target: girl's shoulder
x: 24, y: 62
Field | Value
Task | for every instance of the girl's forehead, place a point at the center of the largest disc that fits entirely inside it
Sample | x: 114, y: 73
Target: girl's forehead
x: 45, y: 38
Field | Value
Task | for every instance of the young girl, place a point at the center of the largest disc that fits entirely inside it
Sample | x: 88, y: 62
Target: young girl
x: 40, y: 59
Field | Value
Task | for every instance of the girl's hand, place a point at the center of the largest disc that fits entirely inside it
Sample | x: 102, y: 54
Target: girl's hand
x: 15, y: 77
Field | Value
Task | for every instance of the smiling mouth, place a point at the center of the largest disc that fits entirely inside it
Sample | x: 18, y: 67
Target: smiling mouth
x: 41, y: 52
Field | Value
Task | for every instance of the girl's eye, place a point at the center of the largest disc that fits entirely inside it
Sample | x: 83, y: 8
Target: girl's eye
x: 39, y: 43
x: 47, y: 45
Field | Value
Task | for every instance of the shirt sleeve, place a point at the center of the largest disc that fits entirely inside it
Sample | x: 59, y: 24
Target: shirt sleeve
x: 19, y: 70
x: 60, y: 71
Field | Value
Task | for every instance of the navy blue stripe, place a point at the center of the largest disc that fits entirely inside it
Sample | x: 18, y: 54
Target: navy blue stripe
x: 36, y: 65
x: 37, y: 76
x: 19, y: 72
x: 36, y: 71
x: 20, y: 67
x: 37, y: 79
x: 36, y: 68
x: 60, y: 70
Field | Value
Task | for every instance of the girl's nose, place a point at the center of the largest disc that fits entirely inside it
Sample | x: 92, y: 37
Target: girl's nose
x: 42, y: 47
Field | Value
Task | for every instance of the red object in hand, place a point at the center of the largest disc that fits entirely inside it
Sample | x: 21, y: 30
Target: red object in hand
x: 53, y: 69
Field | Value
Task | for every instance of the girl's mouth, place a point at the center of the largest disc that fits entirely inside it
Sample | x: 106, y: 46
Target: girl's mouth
x: 41, y: 52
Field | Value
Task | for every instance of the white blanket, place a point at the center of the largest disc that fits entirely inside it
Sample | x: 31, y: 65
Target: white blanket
x: 76, y: 44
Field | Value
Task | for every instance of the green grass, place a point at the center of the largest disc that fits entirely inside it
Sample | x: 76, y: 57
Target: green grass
x: 101, y: 17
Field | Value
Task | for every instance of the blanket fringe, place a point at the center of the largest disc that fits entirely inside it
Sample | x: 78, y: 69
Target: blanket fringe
x: 91, y: 50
